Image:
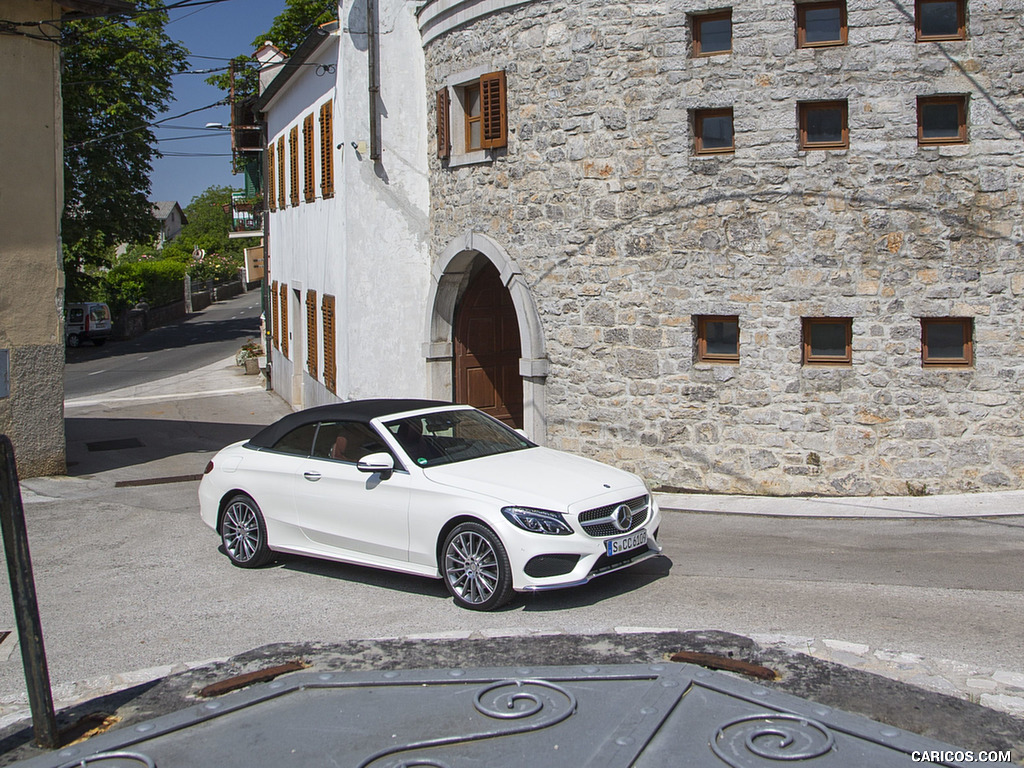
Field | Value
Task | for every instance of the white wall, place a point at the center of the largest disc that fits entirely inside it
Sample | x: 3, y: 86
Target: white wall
x: 366, y: 245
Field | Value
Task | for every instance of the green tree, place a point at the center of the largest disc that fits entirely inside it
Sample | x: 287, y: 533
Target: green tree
x: 209, y: 223
x: 289, y: 28
x: 117, y: 79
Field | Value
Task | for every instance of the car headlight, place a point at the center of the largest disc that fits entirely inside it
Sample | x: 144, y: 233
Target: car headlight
x: 537, y: 520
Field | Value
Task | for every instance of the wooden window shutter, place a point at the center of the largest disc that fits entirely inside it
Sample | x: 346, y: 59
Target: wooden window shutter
x: 293, y: 166
x: 330, y: 366
x: 284, y: 319
x: 275, y: 323
x: 312, y: 363
x: 444, y: 126
x: 271, y: 178
x: 327, y: 149
x: 308, y: 182
x: 281, y: 192
x: 493, y: 110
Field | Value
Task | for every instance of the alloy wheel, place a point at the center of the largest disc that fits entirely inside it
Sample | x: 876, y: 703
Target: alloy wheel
x: 471, y: 567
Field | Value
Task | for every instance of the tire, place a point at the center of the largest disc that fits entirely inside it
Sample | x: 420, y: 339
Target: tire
x: 74, y: 340
x: 244, y: 534
x: 475, y: 568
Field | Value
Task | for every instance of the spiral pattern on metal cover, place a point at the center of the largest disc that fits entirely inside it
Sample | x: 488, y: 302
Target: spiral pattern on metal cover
x: 512, y: 700
x: 759, y: 740
x: 536, y: 703
x: 98, y: 760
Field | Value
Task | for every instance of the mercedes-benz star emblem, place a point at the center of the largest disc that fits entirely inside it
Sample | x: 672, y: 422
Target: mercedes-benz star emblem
x: 622, y: 517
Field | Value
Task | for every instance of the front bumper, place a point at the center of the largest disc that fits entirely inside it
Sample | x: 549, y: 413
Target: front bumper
x: 592, y: 560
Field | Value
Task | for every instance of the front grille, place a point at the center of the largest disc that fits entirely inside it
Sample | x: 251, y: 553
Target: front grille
x: 596, y: 522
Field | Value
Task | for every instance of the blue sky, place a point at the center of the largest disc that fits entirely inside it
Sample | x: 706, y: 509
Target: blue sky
x: 218, y: 31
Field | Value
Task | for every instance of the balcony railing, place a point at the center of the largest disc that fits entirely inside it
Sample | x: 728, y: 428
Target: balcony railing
x: 247, y: 216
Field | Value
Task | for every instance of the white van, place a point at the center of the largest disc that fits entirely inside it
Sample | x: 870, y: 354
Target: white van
x: 90, y: 320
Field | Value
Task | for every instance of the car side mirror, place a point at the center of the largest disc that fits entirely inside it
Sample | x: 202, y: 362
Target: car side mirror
x: 382, y: 462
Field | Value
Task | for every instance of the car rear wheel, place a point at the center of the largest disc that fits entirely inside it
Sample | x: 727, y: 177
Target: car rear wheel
x: 475, y: 568
x: 244, y: 534
x: 74, y: 340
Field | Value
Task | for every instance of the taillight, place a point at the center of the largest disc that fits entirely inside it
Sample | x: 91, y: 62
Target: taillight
x: 209, y: 468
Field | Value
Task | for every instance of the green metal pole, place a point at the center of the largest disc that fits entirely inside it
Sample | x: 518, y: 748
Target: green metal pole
x: 26, y: 607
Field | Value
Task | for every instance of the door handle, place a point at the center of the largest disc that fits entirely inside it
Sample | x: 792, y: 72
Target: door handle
x: 311, y: 476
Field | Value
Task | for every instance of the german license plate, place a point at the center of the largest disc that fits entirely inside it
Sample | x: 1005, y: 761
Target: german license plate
x: 626, y: 543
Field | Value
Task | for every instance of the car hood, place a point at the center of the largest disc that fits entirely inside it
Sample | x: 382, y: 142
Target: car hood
x: 540, y: 477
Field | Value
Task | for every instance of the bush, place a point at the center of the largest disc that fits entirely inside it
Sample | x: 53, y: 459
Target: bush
x: 157, y: 282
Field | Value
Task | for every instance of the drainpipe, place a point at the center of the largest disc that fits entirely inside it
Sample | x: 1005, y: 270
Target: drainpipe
x: 374, y: 77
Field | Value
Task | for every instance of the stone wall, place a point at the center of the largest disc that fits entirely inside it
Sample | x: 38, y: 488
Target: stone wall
x: 625, y: 235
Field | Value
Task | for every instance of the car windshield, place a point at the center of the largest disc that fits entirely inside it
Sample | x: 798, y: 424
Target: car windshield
x: 450, y: 436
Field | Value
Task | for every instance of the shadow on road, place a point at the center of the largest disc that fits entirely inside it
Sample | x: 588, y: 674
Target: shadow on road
x: 98, y: 444
x: 186, y: 333
x: 604, y: 588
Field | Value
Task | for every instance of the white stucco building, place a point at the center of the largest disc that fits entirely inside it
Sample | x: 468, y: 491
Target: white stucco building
x: 347, y: 246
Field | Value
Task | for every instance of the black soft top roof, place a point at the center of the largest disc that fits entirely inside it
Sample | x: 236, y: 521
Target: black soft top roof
x: 356, y: 410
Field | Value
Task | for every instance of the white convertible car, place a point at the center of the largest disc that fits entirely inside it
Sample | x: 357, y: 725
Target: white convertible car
x: 427, y: 488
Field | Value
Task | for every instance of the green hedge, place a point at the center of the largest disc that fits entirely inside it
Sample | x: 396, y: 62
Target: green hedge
x: 156, y: 282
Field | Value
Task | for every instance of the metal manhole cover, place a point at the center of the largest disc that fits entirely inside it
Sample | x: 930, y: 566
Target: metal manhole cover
x: 120, y: 444
x: 615, y: 716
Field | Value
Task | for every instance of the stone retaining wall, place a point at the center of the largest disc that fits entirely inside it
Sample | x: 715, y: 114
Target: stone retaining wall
x: 625, y: 235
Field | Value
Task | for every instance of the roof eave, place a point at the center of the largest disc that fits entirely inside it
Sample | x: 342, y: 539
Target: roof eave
x: 290, y: 67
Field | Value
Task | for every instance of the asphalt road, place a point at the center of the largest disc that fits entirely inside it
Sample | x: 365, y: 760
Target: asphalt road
x: 207, y: 336
x: 129, y: 578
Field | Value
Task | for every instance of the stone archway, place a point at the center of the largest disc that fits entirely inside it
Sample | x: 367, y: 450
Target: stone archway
x: 450, y: 278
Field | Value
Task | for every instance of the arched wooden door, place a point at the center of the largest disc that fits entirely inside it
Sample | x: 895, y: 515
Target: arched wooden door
x: 487, y: 349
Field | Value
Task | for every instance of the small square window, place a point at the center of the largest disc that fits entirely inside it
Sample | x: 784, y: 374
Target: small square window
x: 828, y: 341
x: 712, y: 33
x: 940, y: 20
x: 712, y: 131
x: 947, y: 341
x: 942, y: 120
x: 820, y: 24
x: 824, y: 125
x: 718, y: 339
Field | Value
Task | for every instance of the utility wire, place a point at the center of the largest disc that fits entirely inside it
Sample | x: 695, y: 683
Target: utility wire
x: 144, y: 126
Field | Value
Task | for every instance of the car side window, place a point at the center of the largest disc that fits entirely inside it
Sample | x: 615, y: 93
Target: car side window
x: 76, y: 315
x: 298, y: 442
x: 346, y: 441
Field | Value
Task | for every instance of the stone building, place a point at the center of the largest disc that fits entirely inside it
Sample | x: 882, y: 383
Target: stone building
x: 773, y: 248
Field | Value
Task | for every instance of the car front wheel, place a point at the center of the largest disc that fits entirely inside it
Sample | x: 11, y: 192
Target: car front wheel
x: 244, y: 534
x: 475, y: 568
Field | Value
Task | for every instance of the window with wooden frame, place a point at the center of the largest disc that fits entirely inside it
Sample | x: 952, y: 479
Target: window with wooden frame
x: 312, y: 361
x: 284, y: 319
x: 274, y: 321
x: 828, y: 341
x: 947, y: 342
x: 712, y: 33
x: 327, y: 149
x: 308, y: 161
x: 293, y: 165
x: 713, y: 132
x: 444, y: 130
x: 940, y: 20
x: 941, y: 120
x: 330, y: 364
x: 282, y: 191
x: 824, y: 125
x: 476, y: 119
x: 819, y: 25
x: 271, y: 178
x: 718, y: 339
